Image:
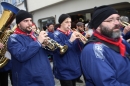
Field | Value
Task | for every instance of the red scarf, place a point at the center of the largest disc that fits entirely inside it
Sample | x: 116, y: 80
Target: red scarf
x: 66, y: 33
x: 112, y: 41
x: 19, y: 31
x: 51, y: 31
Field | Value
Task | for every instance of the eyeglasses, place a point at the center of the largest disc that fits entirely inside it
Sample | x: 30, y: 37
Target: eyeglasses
x: 112, y: 20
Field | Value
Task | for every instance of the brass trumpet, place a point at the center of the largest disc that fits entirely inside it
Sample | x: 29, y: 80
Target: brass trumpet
x: 52, y: 45
x: 83, y: 39
x: 124, y: 23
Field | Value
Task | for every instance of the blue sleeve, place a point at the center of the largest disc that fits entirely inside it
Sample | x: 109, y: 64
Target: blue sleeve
x: 96, y: 68
x: 126, y: 36
x: 65, y: 41
x: 22, y: 51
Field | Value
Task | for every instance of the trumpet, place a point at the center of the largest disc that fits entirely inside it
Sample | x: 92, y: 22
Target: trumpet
x: 124, y: 23
x: 52, y: 45
x: 82, y: 38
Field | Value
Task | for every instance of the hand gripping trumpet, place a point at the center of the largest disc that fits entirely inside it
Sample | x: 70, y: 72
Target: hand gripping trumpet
x: 83, y: 39
x: 52, y: 45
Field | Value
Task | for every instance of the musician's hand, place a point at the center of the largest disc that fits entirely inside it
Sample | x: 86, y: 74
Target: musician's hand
x: 126, y: 29
x: 1, y: 46
x: 43, y: 37
x: 74, y: 36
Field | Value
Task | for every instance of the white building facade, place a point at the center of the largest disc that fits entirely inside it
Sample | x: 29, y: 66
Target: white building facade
x: 44, y: 11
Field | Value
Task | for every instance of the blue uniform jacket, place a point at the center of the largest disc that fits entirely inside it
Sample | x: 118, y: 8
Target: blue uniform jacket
x: 51, y: 35
x: 126, y: 36
x: 103, y: 66
x: 30, y: 65
x: 66, y: 66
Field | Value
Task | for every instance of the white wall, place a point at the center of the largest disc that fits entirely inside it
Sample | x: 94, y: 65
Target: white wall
x: 21, y: 6
x: 36, y: 4
x: 70, y: 6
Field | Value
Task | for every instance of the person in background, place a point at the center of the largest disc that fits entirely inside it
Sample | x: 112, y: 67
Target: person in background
x: 88, y: 31
x: 35, y: 29
x: 50, y: 31
x: 67, y: 66
x: 108, y: 62
x: 80, y: 29
x: 30, y: 65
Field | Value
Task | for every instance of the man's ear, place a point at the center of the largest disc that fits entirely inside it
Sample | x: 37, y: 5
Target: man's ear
x: 98, y: 29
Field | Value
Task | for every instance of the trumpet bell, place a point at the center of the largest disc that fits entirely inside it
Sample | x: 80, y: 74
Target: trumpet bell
x: 53, y: 45
x: 8, y: 15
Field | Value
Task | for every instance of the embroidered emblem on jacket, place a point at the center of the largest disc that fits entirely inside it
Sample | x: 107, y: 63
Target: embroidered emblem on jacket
x: 98, y: 50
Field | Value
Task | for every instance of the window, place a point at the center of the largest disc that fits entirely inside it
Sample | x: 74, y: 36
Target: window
x: 42, y: 22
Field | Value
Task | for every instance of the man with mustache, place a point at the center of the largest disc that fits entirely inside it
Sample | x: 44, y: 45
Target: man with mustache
x: 30, y: 65
x: 105, y: 59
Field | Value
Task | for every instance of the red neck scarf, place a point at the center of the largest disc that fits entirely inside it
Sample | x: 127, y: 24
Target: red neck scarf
x: 117, y: 43
x: 66, y: 33
x: 19, y: 31
x: 82, y: 32
x: 51, y: 31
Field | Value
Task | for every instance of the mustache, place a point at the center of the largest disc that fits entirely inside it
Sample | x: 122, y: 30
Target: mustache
x: 29, y: 27
x: 116, y: 26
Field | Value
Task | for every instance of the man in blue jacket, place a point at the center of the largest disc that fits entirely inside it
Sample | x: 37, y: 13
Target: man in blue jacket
x: 105, y: 59
x: 30, y: 65
x: 67, y: 67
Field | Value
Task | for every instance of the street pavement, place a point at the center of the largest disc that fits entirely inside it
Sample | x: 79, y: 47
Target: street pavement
x: 57, y: 83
